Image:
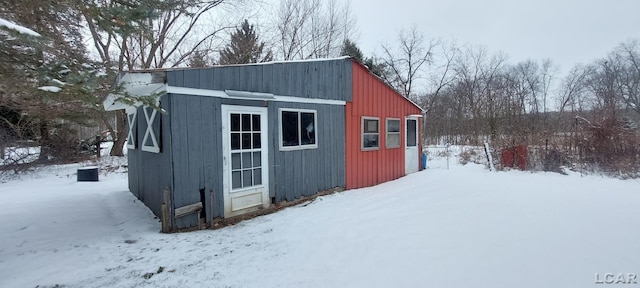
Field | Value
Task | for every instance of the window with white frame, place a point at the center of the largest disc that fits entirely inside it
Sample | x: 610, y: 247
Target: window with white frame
x: 392, y: 136
x: 298, y: 129
x: 370, y: 133
x: 132, y: 114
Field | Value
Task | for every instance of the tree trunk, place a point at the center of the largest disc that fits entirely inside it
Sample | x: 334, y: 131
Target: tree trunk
x: 45, y: 143
x: 121, y: 134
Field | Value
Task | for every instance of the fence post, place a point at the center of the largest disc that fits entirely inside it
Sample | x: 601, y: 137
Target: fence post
x: 167, y: 215
x: 211, y: 206
x: 98, y: 145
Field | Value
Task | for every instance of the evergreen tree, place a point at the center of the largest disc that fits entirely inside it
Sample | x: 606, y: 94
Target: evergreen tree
x: 198, y: 59
x: 351, y: 49
x: 244, y: 47
x: 379, y: 69
x: 47, y: 78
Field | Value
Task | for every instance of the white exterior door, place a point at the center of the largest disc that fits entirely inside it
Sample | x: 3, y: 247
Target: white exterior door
x: 245, y: 161
x: 411, y: 145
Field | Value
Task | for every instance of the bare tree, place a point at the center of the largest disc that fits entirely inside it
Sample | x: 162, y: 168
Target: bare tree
x: 440, y: 77
x: 312, y: 28
x: 602, y: 85
x: 627, y: 56
x: 571, y: 88
x: 151, y: 34
x: 408, y: 63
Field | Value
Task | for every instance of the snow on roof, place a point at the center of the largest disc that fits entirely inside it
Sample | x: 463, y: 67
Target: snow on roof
x: 112, y: 102
x: 18, y: 28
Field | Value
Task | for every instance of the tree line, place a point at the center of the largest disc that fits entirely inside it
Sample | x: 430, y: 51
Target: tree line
x: 53, y: 83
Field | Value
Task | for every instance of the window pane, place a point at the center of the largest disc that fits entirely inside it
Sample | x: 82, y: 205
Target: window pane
x: 235, y: 141
x: 235, y: 122
x: 256, y: 141
x: 411, y: 133
x: 290, y: 128
x: 370, y: 126
x: 246, y: 122
x: 256, y: 122
x: 246, y: 140
x: 257, y: 176
x: 235, y: 161
x: 308, y: 128
x: 257, y: 159
x: 393, y: 125
x: 370, y: 141
x: 247, y: 176
x: 393, y: 140
x: 246, y: 160
x: 236, y: 178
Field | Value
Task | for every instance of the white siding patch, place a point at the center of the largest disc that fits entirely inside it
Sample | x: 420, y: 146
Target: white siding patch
x: 246, y: 95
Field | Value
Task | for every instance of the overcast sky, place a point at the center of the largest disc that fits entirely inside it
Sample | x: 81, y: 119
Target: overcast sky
x: 566, y: 31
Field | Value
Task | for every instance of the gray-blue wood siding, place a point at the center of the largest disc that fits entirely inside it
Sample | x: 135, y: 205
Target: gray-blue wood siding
x: 150, y: 173
x: 191, y: 145
x: 330, y: 79
x: 298, y: 173
x: 197, y: 154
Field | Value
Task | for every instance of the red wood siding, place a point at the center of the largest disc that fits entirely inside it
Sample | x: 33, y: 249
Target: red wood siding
x: 373, y: 98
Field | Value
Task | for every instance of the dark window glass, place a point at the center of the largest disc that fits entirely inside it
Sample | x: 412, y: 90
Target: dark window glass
x: 236, y: 179
x: 370, y: 140
x: 235, y: 122
x: 246, y: 160
x: 247, y: 176
x: 393, y: 133
x: 256, y: 141
x: 257, y: 160
x: 246, y: 140
x: 411, y: 133
x: 370, y: 135
x: 290, y: 128
x: 308, y: 129
x: 235, y: 141
x: 235, y: 161
x: 370, y: 126
x: 256, y: 122
x: 393, y: 125
x: 257, y: 176
x: 246, y: 122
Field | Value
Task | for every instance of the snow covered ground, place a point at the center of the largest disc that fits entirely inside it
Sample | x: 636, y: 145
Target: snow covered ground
x: 457, y: 227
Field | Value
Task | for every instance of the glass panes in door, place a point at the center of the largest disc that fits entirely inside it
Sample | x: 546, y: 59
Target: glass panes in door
x: 246, y: 150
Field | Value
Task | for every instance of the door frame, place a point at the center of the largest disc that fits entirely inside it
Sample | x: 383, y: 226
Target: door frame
x: 255, y: 197
x: 410, y: 149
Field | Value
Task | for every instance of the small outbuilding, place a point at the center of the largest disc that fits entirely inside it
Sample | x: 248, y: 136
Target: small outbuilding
x: 230, y: 140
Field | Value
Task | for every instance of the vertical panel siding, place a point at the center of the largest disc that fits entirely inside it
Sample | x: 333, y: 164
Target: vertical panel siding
x: 150, y: 173
x: 373, y: 98
x: 197, y: 161
x: 312, y: 79
x: 299, y: 173
x: 191, y: 78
